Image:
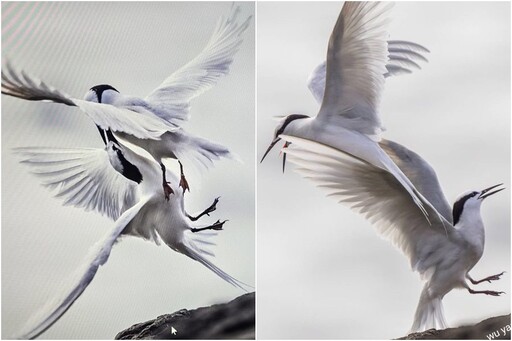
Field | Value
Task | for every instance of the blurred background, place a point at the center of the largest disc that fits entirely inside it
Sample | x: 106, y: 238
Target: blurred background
x: 323, y: 272
x: 133, y: 47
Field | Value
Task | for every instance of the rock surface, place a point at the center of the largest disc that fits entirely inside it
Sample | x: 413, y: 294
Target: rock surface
x: 236, y: 320
x: 494, y: 328
x: 233, y: 320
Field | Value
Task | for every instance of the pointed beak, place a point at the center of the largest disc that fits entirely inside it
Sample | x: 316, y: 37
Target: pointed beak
x: 485, y: 193
x: 277, y: 139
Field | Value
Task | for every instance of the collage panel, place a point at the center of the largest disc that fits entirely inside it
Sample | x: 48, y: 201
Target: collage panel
x: 325, y: 272
x: 82, y: 187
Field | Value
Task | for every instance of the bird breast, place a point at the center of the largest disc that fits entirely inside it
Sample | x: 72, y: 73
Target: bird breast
x: 473, y: 233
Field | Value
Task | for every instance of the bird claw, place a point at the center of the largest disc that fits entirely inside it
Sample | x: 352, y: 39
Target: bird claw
x: 494, y: 277
x: 217, y: 226
x: 167, y: 190
x: 207, y: 211
x: 184, y: 184
x: 212, y: 207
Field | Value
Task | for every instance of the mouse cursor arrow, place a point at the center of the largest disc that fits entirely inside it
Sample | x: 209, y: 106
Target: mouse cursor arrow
x: 173, y: 331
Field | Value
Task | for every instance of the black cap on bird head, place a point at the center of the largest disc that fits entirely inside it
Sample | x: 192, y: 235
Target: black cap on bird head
x: 280, y: 130
x: 98, y: 89
x: 458, y: 206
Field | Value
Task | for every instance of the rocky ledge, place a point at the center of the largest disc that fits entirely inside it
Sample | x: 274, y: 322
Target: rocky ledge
x: 232, y: 320
x: 494, y: 328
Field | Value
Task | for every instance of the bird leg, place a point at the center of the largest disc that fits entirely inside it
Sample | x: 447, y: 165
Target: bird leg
x: 207, y: 212
x: 487, y: 279
x: 487, y: 292
x: 183, y: 181
x: 216, y: 226
x: 167, y: 189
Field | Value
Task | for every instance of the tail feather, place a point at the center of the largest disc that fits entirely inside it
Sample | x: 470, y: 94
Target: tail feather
x: 200, y: 154
x: 208, y: 152
x: 188, y: 248
x: 429, y: 313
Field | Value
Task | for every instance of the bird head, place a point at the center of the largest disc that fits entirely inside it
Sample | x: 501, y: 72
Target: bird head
x: 471, y: 201
x: 281, y: 129
x: 102, y: 93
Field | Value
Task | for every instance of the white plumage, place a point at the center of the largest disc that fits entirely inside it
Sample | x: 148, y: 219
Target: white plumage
x: 152, y: 123
x: 402, y: 57
x: 85, y: 178
x: 142, y: 125
x: 443, y: 252
x: 348, y: 118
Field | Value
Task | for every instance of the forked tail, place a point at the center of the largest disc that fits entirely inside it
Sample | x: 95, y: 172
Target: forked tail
x: 188, y: 248
x: 429, y: 313
x: 201, y: 153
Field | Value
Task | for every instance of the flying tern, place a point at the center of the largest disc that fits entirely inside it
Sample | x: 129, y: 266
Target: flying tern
x: 355, y: 70
x: 403, y: 56
x: 126, y: 186
x: 153, y: 122
x: 442, y: 252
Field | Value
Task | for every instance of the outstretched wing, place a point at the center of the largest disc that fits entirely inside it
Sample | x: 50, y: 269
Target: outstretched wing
x: 421, y: 174
x: 82, y: 177
x: 98, y: 255
x: 356, y: 64
x: 171, y: 100
x: 378, y: 196
x: 20, y: 84
x: 403, y: 57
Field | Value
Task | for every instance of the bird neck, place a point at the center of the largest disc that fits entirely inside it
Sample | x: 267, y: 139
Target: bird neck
x: 471, y: 227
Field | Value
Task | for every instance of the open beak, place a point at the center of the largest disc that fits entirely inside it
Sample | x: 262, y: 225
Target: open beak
x: 277, y: 139
x: 485, y: 193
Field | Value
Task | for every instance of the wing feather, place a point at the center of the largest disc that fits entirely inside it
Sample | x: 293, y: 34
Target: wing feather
x: 81, y: 177
x: 421, y: 174
x: 21, y: 85
x: 356, y: 64
x: 375, y: 194
x: 402, y: 57
x: 78, y: 282
x: 172, y: 98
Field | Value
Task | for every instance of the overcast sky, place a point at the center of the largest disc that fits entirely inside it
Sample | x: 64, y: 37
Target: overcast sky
x: 323, y: 271
x: 134, y: 47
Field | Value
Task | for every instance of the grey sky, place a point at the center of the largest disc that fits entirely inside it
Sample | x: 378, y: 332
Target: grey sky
x: 132, y: 46
x: 324, y: 272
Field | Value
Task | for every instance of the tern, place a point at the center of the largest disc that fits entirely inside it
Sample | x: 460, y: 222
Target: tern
x: 153, y: 122
x: 355, y: 70
x: 403, y: 56
x: 124, y: 185
x: 442, y: 252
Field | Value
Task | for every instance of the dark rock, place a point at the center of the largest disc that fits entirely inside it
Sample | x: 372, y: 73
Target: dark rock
x: 494, y: 328
x: 233, y: 320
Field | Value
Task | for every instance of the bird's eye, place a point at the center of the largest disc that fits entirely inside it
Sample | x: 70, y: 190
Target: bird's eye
x: 474, y: 193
